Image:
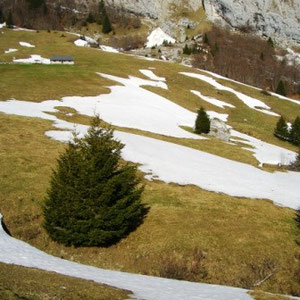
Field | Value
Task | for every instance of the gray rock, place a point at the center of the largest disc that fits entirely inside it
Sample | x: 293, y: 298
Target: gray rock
x: 219, y: 130
x: 266, y: 17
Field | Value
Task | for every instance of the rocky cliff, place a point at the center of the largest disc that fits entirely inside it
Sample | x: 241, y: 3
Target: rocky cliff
x: 279, y: 18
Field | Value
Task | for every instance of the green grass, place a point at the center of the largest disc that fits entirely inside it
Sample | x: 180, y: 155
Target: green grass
x: 19, y: 283
x: 234, y: 233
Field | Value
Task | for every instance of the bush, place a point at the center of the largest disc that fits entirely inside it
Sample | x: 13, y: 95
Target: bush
x: 295, y: 166
x: 187, y: 50
x: 94, y: 199
x: 202, y: 124
x: 281, y: 130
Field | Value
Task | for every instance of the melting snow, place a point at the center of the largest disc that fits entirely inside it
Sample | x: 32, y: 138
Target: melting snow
x: 152, y: 76
x: 157, y: 38
x: 24, y: 44
x: 108, y: 49
x: 2, y: 25
x: 13, y: 251
x: 10, y: 50
x: 34, y: 59
x: 160, y: 160
x: 249, y: 101
x: 81, y: 43
x: 127, y: 106
x: 212, y: 100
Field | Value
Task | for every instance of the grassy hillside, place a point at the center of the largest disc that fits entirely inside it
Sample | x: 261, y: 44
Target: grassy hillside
x: 189, y: 233
x: 18, y: 283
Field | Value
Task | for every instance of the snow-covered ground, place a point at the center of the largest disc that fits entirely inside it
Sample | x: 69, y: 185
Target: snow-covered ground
x: 2, y: 25
x: 265, y: 153
x: 151, y: 75
x: 25, y: 44
x: 157, y: 38
x: 33, y: 59
x: 108, y: 49
x: 160, y: 159
x: 10, y: 50
x: 81, y: 43
x: 128, y: 105
x: 13, y: 251
x: 250, y: 86
x: 212, y: 100
x: 249, y: 101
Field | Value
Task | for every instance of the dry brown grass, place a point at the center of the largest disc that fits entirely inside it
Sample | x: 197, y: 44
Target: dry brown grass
x: 19, y: 283
x: 232, y: 232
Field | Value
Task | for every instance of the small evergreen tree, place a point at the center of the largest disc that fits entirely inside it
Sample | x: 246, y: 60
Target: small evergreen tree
x: 106, y: 25
x: 281, y: 130
x: 295, y: 166
x: 205, y: 39
x: 94, y: 199
x: 262, y: 56
x: 202, y: 124
x: 90, y: 18
x: 295, y: 132
x: 281, y: 88
x: 1, y: 16
x: 270, y: 42
x: 9, y: 21
x: 187, y: 50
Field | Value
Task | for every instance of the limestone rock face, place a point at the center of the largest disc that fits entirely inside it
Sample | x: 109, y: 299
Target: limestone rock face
x: 279, y: 18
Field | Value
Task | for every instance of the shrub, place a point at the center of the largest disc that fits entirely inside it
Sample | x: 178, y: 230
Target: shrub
x: 281, y: 130
x: 94, y: 199
x: 202, y: 124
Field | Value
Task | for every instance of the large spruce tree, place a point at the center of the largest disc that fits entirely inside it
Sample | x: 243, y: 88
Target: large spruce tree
x: 281, y: 130
x: 202, y: 124
x: 94, y: 199
x: 295, y: 132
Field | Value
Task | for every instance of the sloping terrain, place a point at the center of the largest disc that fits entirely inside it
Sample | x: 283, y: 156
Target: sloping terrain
x: 214, y: 199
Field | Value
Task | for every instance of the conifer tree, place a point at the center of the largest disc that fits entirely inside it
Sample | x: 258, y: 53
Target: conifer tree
x: 106, y: 25
x: 281, y: 88
x: 295, y: 166
x: 94, y: 199
x: 202, y: 124
x: 1, y: 16
x: 270, y: 42
x: 281, y: 130
x: 205, y: 39
x: 187, y: 50
x: 295, y: 132
x: 9, y: 21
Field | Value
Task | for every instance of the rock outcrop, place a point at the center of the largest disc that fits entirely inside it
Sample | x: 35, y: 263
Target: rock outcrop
x: 279, y: 18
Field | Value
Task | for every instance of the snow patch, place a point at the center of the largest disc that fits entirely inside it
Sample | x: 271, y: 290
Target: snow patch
x: 157, y: 38
x: 13, y: 251
x: 2, y: 25
x: 159, y: 160
x: 10, y: 50
x: 152, y: 76
x: 24, y: 44
x: 109, y: 49
x: 34, y: 59
x: 249, y: 101
x: 212, y: 100
x: 81, y: 43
